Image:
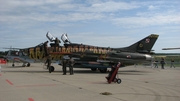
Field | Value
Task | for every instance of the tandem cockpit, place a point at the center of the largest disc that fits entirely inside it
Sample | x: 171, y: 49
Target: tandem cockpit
x: 64, y: 38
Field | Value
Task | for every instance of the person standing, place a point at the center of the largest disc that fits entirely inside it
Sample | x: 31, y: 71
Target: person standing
x: 172, y: 63
x: 156, y: 64
x: 162, y: 63
x: 48, y: 62
x: 57, y: 42
x: 64, y: 66
x: 71, y: 63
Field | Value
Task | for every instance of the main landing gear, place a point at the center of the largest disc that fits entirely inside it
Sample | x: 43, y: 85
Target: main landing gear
x: 51, y: 69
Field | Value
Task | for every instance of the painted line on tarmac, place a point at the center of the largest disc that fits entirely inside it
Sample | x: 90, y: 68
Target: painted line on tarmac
x: 30, y: 99
x: 37, y: 85
x: 9, y: 82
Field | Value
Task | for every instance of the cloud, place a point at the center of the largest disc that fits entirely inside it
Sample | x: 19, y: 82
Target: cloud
x: 151, y: 7
x: 143, y: 21
x: 108, y: 40
x: 110, y: 6
x: 44, y: 11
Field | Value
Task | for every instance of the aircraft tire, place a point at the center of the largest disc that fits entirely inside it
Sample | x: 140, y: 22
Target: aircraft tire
x: 28, y: 65
x: 103, y: 70
x: 13, y: 65
x: 118, y: 81
x: 52, y: 68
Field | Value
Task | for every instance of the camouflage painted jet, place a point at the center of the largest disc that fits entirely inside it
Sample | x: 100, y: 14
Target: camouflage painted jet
x: 94, y: 57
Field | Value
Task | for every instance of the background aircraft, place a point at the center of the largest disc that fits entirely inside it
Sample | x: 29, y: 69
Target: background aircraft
x: 17, y: 55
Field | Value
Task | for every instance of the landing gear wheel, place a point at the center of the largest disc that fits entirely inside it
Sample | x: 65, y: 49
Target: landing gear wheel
x: 13, y: 65
x: 118, y: 81
x: 52, y: 68
x: 28, y: 65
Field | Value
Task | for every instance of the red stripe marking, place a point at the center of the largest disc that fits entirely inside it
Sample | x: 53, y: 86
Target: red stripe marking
x: 0, y: 75
x: 30, y: 99
x: 9, y: 82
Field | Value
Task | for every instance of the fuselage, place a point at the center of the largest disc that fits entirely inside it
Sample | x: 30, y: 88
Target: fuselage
x: 92, y: 53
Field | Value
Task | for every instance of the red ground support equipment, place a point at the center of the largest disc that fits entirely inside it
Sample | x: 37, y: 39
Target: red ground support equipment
x: 113, y: 73
x: 2, y: 61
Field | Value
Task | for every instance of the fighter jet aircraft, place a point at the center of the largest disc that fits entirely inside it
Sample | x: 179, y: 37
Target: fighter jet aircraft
x: 95, y: 57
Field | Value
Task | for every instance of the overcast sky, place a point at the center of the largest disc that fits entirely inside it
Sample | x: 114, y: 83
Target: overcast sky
x: 107, y: 23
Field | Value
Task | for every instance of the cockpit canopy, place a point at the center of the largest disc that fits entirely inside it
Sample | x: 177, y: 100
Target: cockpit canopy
x: 50, y: 37
x: 65, y: 39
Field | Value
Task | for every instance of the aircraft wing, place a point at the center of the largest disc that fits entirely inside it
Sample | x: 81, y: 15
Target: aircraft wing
x: 170, y: 48
x: 19, y: 59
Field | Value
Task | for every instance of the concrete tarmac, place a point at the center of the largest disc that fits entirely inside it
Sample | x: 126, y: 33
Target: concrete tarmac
x: 138, y: 84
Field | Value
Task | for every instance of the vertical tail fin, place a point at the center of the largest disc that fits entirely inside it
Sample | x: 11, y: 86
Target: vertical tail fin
x: 143, y: 46
x: 9, y: 52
